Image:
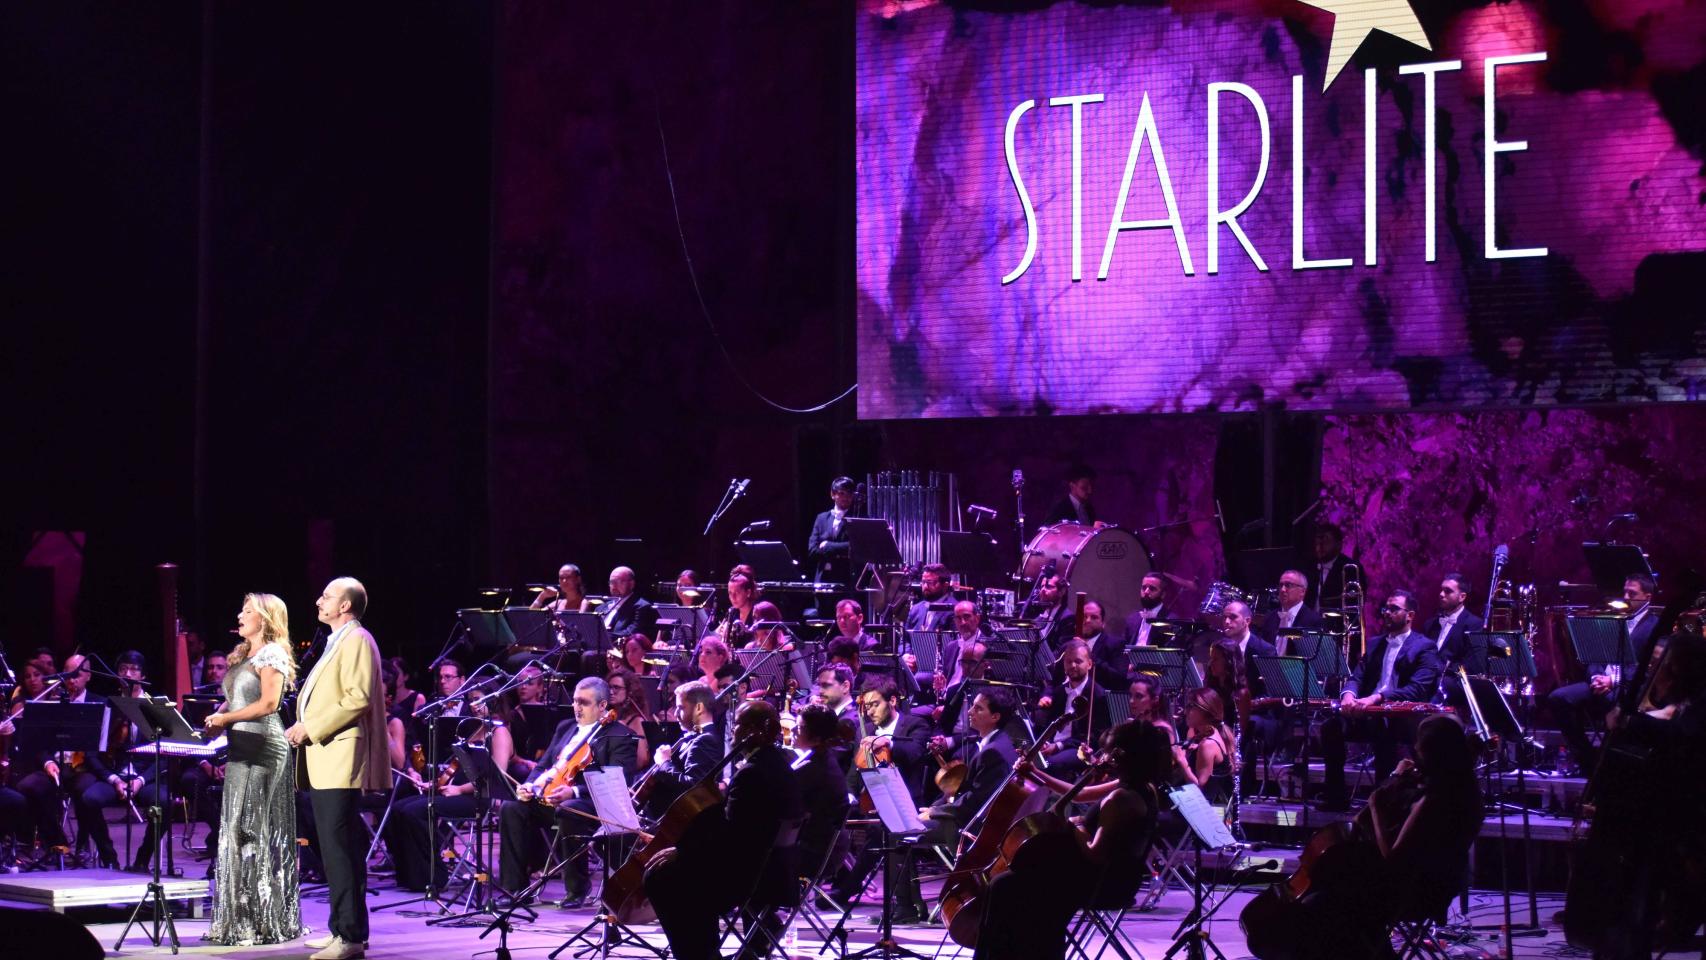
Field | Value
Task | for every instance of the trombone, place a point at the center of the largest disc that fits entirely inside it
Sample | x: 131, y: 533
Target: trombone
x: 1350, y: 610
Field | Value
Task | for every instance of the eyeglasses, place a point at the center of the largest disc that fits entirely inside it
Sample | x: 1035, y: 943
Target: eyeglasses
x: 618, y: 686
x: 583, y: 702
x: 1392, y: 608
x: 1286, y: 585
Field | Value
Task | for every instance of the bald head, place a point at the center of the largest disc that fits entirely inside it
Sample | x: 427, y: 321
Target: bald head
x: 343, y: 600
x: 621, y: 581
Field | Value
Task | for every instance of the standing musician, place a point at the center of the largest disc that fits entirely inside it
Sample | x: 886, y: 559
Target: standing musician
x: 406, y: 830
x: 557, y: 794
x: 1293, y: 614
x: 1402, y: 665
x: 1075, y: 507
x: 1449, y: 629
x: 1028, y: 911
x: 679, y: 765
x: 569, y: 596
x: 1328, y: 556
x: 731, y: 856
x: 935, y: 608
x: 828, y: 547
x: 1062, y: 751
x: 626, y: 612
x: 1573, y: 704
x: 1150, y: 608
x: 890, y: 738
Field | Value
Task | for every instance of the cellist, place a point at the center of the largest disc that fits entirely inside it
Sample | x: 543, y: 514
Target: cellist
x: 993, y: 757
x: 541, y: 799
x: 1027, y: 912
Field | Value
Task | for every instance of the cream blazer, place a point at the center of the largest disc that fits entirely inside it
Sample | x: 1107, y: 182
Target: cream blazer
x: 344, y: 714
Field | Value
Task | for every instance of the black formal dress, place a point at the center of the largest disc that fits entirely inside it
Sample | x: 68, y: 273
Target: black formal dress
x: 522, y: 823
x: 730, y: 859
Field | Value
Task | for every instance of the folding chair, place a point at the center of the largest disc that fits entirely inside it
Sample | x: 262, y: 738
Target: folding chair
x: 752, y: 912
x: 811, y: 885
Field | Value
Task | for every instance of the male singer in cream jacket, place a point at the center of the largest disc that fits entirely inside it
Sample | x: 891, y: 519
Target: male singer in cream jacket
x: 340, y: 727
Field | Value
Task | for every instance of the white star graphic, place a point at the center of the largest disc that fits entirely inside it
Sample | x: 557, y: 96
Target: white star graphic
x: 1354, y: 20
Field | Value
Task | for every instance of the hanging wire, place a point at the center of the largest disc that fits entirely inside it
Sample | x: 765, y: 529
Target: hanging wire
x: 699, y: 295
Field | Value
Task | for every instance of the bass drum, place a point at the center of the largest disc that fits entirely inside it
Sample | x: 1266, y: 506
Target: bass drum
x: 1107, y: 564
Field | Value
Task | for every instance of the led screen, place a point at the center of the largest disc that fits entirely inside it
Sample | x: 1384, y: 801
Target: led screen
x: 1079, y: 207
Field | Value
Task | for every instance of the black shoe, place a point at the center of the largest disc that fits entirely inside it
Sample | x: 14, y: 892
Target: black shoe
x: 574, y: 901
x: 140, y: 866
x: 109, y: 861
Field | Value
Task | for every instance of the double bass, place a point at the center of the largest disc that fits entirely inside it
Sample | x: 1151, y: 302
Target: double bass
x: 971, y: 874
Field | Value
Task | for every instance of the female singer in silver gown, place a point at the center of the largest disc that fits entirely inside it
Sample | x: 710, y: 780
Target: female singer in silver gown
x: 255, y: 897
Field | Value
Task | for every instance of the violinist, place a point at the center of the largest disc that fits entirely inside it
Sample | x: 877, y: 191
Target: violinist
x: 406, y: 833
x: 993, y: 756
x: 1062, y: 750
x: 117, y: 778
x: 775, y: 639
x: 629, y: 702
x: 716, y: 663
x: 679, y: 765
x: 735, y: 845
x: 1148, y: 704
x: 1206, y: 756
x: 556, y: 794
x: 46, y: 776
x: 888, y: 737
x: 743, y: 597
x: 1028, y: 911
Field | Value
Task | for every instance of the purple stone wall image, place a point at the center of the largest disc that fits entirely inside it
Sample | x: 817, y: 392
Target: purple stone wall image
x: 1607, y: 185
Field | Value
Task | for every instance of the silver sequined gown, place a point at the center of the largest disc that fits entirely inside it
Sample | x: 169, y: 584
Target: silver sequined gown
x: 255, y: 898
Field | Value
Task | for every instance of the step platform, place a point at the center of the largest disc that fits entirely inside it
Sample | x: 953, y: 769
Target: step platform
x: 65, y: 889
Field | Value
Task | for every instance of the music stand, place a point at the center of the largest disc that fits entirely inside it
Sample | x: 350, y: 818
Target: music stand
x: 1289, y: 678
x: 660, y: 733
x: 974, y: 557
x: 489, y: 784
x: 542, y: 721
x: 1613, y: 563
x: 1172, y: 666
x: 1007, y: 662
x: 927, y: 647
x: 1326, y: 658
x: 614, y: 807
x: 198, y: 707
x: 769, y: 559
x: 1119, y: 706
x: 53, y: 727
x: 488, y: 628
x: 870, y: 545
x: 158, y: 722
x: 766, y: 669
x: 1490, y: 704
x: 584, y: 631
x: 531, y: 628
x: 1209, y: 831
x: 1169, y: 633
x: 1601, y: 640
x: 899, y: 816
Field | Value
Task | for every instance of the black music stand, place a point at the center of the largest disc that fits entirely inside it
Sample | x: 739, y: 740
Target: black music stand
x: 973, y: 557
x: 618, y: 819
x: 660, y: 733
x: 1614, y: 563
x: 1326, y: 658
x: 531, y: 628
x: 870, y: 547
x: 1506, y: 654
x: 489, y: 784
x: 899, y: 816
x: 1601, y: 640
x: 584, y: 632
x: 1171, y: 666
x: 1492, y: 707
x: 155, y: 721
x: 770, y: 560
x: 542, y: 722
x: 488, y: 628
x: 927, y: 647
x: 766, y: 669
x: 440, y: 740
x: 1208, y: 832
x: 1289, y: 678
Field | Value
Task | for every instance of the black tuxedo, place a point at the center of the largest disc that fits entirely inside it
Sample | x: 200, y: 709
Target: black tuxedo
x: 634, y: 614
x: 521, y: 843
x: 1064, y: 512
x: 1308, y: 618
x: 1456, y: 645
x: 921, y: 617
x: 828, y: 548
x: 1134, y: 622
x: 691, y: 759
x: 1574, y: 703
x: 1253, y: 648
x: 911, y: 741
x: 1415, y: 676
x: 1108, y: 654
x: 1329, y: 586
x: 823, y: 793
x: 737, y: 853
x: 986, y: 772
x: 1089, y: 725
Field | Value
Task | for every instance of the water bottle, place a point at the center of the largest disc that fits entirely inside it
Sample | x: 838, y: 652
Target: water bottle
x: 791, y: 940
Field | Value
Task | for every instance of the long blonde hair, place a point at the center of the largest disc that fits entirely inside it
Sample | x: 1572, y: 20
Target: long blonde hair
x: 275, y: 628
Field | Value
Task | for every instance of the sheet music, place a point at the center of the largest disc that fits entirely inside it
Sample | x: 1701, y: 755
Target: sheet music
x: 608, y: 789
x: 1205, y: 821
x: 893, y: 801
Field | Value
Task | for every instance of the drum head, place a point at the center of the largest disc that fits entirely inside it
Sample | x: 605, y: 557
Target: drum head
x: 1107, y: 564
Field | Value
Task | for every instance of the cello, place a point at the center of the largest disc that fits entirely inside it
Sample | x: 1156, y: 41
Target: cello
x: 970, y: 874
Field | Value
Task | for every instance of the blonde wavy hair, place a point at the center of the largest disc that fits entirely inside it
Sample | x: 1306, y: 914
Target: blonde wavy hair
x: 275, y: 628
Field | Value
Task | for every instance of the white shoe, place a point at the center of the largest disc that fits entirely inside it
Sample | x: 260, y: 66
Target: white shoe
x: 320, y: 943
x: 340, y: 949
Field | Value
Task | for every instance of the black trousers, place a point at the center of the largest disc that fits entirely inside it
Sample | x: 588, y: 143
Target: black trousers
x: 412, y: 847
x: 337, y: 820
x: 521, y: 843
x: 90, y: 799
x: 688, y: 901
x: 1572, y: 706
x: 15, y: 816
x: 1383, y: 734
x: 42, y: 796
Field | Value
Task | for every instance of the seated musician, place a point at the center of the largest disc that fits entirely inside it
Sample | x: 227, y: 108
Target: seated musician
x: 716, y: 663
x: 1408, y: 851
x: 834, y: 689
x: 850, y: 623
x: 406, y: 833
x: 629, y: 702
x: 45, y: 776
x: 968, y: 630
x: 679, y: 765
x: 1062, y: 750
x: 1293, y: 614
x: 903, y: 739
x: 1449, y: 629
x: 626, y: 612
x: 214, y: 666
x: 1148, y: 704
x: 971, y: 664
x: 15, y: 820
x: 1027, y: 912
x: 1107, y: 649
x: 687, y: 592
x: 1403, y: 665
x: 1054, y: 619
x: 569, y: 596
x: 989, y: 759
x: 827, y: 548
x: 540, y: 803
x: 731, y: 856
x: 1574, y: 705
x: 1150, y: 608
x: 1206, y: 754
x: 743, y: 597
x: 110, y: 779
x: 823, y: 784
x: 776, y: 640
x: 935, y: 609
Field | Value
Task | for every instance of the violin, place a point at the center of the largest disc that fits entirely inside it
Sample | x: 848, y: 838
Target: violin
x: 572, y: 766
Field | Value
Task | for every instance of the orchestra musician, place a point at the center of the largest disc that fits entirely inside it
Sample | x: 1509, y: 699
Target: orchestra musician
x: 828, y: 546
x: 934, y: 610
x: 569, y: 596
x: 1206, y: 755
x: 775, y: 639
x: 1148, y: 704
x: 970, y: 665
x: 731, y: 856
x: 823, y: 784
x: 1151, y: 607
x: 992, y: 758
x: 1055, y: 620
x: 1028, y: 910
x: 1402, y: 665
x: 1450, y: 627
x: 679, y: 765
x: 629, y: 702
x: 1107, y: 651
x: 1574, y: 703
x: 450, y: 680
x: 121, y: 776
x: 743, y: 597
x: 850, y: 623
x: 214, y: 666
x: 539, y: 804
x: 716, y: 663
x: 1293, y: 615
x: 1075, y: 507
x: 1076, y: 681
x: 196, y: 649
x: 46, y: 776
x: 1329, y: 560
x: 626, y: 612
x: 903, y: 739
x: 406, y: 834
x: 687, y: 590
